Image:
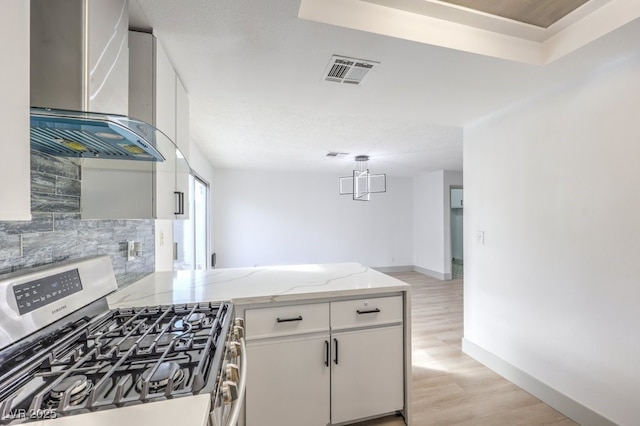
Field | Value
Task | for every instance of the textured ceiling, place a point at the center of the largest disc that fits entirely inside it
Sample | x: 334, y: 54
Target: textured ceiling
x: 300, y: 138
x: 253, y: 71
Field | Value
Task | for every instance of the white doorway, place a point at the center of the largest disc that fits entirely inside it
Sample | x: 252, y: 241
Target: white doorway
x: 191, y: 235
x: 457, y: 246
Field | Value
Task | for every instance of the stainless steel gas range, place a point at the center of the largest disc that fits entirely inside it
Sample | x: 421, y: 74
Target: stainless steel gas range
x: 64, y: 352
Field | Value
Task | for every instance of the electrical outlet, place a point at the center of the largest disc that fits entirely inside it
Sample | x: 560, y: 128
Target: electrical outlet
x: 130, y: 251
x: 480, y: 237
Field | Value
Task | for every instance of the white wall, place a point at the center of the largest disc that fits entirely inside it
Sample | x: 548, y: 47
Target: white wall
x: 554, y: 289
x: 271, y: 218
x: 431, y: 218
x: 199, y: 163
x: 428, y: 222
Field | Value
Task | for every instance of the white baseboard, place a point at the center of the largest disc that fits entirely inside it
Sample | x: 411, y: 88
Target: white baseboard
x: 567, y: 406
x: 406, y: 268
x: 430, y: 273
x: 413, y: 268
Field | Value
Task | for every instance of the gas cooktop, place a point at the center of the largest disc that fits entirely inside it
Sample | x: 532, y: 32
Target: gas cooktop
x: 98, y: 358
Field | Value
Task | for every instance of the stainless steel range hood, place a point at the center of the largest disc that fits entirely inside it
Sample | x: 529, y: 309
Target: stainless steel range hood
x: 80, y: 83
x: 89, y: 135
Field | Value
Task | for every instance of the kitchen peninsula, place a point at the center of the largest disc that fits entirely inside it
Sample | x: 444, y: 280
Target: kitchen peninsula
x: 326, y: 343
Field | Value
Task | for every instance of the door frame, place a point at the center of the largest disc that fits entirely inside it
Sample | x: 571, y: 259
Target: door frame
x: 449, y: 228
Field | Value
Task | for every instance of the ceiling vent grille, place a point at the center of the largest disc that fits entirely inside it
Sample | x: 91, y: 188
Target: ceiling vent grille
x: 342, y: 69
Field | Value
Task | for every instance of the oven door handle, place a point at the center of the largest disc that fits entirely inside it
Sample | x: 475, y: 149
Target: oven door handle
x: 242, y: 383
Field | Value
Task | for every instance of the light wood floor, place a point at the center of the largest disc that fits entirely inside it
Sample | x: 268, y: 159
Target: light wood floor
x: 449, y: 387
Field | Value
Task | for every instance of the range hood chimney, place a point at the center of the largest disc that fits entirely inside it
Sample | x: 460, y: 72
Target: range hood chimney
x: 80, y: 82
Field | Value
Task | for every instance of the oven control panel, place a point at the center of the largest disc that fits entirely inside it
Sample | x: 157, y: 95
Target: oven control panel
x: 41, y: 292
x: 33, y: 299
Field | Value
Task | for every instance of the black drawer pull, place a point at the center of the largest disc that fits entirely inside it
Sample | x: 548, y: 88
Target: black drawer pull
x: 326, y: 353
x: 298, y: 318
x: 369, y: 311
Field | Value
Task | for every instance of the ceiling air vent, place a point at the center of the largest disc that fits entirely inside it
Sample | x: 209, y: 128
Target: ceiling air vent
x: 335, y: 154
x: 342, y: 69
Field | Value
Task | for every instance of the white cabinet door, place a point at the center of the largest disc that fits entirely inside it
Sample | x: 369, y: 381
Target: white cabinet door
x: 152, y: 98
x: 457, y: 195
x: 141, y: 83
x: 15, y: 166
x: 288, y: 382
x: 367, y: 374
x: 182, y: 155
x: 165, y: 107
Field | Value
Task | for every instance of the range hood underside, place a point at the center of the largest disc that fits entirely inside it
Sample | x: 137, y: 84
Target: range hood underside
x: 85, y: 137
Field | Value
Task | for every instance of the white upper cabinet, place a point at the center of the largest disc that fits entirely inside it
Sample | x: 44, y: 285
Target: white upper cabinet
x: 155, y: 97
x: 182, y: 155
x: 15, y: 196
x: 116, y: 189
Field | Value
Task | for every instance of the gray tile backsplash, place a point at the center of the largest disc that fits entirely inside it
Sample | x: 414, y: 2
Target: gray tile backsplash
x: 55, y: 166
x: 56, y: 232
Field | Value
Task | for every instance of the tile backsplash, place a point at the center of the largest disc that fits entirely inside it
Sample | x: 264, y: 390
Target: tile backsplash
x: 56, y: 233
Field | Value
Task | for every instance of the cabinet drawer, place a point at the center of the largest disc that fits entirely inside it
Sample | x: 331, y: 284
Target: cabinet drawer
x: 366, y: 312
x: 286, y: 320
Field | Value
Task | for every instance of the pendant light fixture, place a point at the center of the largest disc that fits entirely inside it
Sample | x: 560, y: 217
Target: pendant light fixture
x: 362, y: 184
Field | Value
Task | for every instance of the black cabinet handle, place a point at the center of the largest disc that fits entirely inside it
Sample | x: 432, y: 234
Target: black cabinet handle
x: 326, y: 353
x: 179, y: 202
x: 368, y: 311
x: 335, y: 341
x: 298, y: 318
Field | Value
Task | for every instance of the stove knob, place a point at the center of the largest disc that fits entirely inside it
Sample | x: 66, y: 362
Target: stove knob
x: 233, y: 373
x: 235, y: 349
x: 229, y: 391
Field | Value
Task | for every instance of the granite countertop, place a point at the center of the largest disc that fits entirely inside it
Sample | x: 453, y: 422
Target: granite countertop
x: 256, y: 285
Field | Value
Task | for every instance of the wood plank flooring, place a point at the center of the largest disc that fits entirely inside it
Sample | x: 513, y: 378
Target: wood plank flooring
x: 449, y: 387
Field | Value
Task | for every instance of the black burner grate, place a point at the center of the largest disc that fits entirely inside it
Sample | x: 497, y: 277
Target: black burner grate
x: 122, y: 357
